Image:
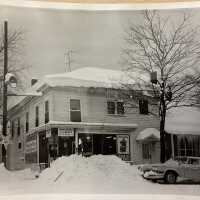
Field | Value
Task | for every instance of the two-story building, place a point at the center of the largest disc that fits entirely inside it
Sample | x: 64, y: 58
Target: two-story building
x: 80, y: 112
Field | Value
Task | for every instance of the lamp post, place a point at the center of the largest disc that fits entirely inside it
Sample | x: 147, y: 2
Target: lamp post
x: 164, y: 96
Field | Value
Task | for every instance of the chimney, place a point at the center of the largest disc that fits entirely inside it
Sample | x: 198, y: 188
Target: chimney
x: 33, y: 81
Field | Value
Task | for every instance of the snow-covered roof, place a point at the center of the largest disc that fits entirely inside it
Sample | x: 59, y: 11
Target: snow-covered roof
x: 183, y: 120
x: 92, y: 77
x: 148, y: 133
x: 87, y: 77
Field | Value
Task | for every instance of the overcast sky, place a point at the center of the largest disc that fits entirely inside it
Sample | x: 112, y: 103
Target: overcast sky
x: 95, y: 37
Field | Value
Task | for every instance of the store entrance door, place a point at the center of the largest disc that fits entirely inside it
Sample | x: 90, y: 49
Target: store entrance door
x: 97, y: 144
x: 109, y: 145
x: 65, y: 146
x: 43, y: 149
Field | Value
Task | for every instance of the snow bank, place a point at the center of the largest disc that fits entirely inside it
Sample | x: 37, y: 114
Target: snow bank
x: 99, y: 171
x: 97, y: 174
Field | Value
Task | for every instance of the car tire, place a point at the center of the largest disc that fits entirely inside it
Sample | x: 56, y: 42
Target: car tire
x: 170, y: 177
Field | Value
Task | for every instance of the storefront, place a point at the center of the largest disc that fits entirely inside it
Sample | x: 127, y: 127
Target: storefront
x: 183, y: 132
x: 53, y: 141
x: 105, y: 144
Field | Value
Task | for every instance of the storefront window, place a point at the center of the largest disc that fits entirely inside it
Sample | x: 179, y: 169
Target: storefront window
x: 123, y: 144
x: 86, y: 144
x: 188, y: 145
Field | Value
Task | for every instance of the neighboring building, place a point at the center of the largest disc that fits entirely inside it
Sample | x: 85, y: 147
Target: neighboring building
x: 183, y: 132
x: 80, y: 112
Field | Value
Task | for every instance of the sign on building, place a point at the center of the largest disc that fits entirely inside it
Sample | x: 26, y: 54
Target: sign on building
x: 65, y: 132
x: 31, y: 144
x: 48, y: 133
x: 123, y: 144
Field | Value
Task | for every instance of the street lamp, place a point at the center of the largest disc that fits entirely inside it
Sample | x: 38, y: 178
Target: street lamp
x: 165, y: 95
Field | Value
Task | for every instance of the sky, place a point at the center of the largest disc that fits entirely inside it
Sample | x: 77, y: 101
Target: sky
x: 95, y: 37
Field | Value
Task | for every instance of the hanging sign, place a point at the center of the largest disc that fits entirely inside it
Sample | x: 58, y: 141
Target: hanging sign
x: 48, y: 133
x: 123, y: 144
x: 31, y: 146
x: 65, y: 132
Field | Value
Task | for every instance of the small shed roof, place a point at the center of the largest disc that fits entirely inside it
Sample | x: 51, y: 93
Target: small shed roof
x: 149, y: 134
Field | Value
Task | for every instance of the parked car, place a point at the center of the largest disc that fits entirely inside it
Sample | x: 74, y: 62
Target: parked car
x: 184, y: 167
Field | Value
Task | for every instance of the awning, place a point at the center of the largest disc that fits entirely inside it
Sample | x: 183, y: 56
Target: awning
x: 183, y: 121
x: 92, y: 125
x: 149, y: 134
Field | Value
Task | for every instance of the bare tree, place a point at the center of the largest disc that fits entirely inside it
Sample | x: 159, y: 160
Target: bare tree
x: 171, y: 49
x: 15, y: 65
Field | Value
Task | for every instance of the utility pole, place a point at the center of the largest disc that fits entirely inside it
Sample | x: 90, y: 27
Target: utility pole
x: 4, y: 131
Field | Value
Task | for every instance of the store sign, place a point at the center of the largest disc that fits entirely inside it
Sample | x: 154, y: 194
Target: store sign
x: 48, y: 133
x: 65, y: 132
x: 123, y: 144
x: 31, y: 146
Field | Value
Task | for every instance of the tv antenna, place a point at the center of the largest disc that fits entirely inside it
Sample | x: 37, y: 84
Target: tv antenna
x: 68, y: 60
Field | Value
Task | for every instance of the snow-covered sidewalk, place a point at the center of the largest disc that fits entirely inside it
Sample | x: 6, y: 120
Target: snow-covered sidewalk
x: 93, y: 175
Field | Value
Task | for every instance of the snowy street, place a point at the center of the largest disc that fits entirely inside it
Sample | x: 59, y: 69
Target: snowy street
x: 94, y: 175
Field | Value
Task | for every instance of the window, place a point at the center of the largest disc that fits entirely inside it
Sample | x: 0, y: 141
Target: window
x: 111, y: 107
x: 12, y: 128
x: 143, y: 106
x: 75, y: 110
x: 146, y: 148
x: 27, y: 122
x: 115, y: 107
x: 19, y: 145
x: 186, y: 146
x: 37, y: 116
x: 120, y: 108
x: 18, y: 126
x: 46, y: 112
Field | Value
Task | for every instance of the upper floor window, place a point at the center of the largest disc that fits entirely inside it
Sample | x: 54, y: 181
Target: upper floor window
x: 18, y: 127
x: 115, y: 107
x: 19, y: 145
x: 46, y: 110
x: 27, y: 122
x: 12, y: 128
x: 143, y: 106
x: 75, y: 110
x: 37, y: 116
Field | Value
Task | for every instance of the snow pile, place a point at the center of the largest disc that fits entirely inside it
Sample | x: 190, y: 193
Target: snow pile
x: 6, y: 175
x: 102, y: 172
